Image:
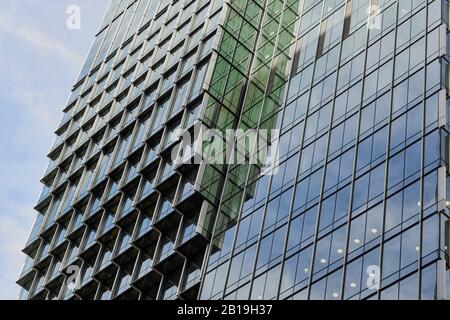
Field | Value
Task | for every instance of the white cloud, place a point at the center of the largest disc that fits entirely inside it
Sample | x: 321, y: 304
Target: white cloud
x: 39, y: 41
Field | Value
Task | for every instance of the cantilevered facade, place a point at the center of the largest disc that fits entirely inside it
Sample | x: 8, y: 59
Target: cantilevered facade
x: 354, y: 205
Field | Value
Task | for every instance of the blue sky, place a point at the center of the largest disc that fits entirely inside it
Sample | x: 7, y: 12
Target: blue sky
x: 40, y: 59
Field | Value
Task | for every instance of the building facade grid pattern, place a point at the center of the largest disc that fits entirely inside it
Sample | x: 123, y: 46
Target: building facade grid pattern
x: 358, y: 89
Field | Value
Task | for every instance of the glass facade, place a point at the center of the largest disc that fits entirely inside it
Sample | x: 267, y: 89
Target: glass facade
x: 354, y: 208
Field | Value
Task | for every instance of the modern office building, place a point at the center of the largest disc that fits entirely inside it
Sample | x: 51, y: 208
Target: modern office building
x: 353, y: 207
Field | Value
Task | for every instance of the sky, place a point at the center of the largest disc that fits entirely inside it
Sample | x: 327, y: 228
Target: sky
x: 40, y: 58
